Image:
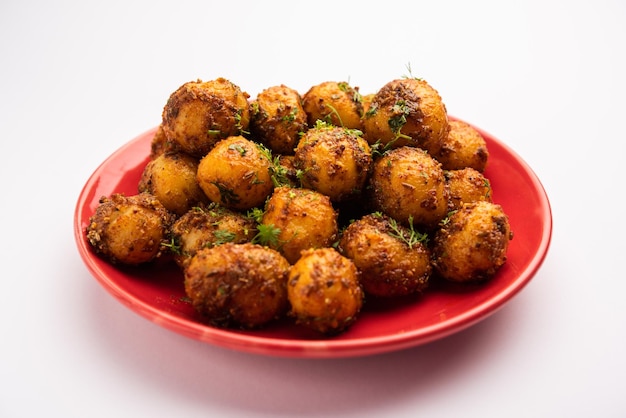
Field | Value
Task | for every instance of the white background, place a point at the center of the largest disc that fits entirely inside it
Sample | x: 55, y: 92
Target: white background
x: 78, y: 79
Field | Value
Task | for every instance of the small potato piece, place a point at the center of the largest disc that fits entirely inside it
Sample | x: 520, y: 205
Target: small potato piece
x: 407, y: 183
x: 334, y: 102
x: 200, y: 113
x: 235, y: 174
x: 334, y: 161
x: 238, y: 285
x: 466, y: 186
x: 472, y: 245
x: 209, y: 226
x: 463, y: 147
x: 129, y: 229
x: 324, y: 291
x: 300, y: 219
x: 409, y: 112
x: 171, y: 178
x: 278, y: 119
x: 392, y: 260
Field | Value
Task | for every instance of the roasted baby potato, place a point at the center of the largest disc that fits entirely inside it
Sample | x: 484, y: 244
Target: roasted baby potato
x: 407, y: 111
x: 236, y: 174
x: 393, y: 260
x: 466, y: 186
x: 463, y: 147
x: 334, y: 102
x: 334, y: 161
x: 472, y: 244
x: 200, y: 113
x: 324, y: 291
x: 129, y: 229
x: 238, y: 285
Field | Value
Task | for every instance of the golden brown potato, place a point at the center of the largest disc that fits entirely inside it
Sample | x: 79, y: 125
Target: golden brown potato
x: 298, y: 219
x: 407, y: 183
x: 472, y: 244
x: 278, y: 119
x: 238, y: 285
x: 324, y: 291
x: 235, y: 174
x: 160, y: 144
x: 407, y: 111
x: 129, y: 229
x: 208, y: 226
x: 393, y: 260
x: 171, y: 178
x: 334, y: 161
x: 463, y: 147
x: 334, y: 102
x: 200, y: 113
x: 466, y: 186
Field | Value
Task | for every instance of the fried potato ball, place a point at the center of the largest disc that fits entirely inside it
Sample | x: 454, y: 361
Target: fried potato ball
x: 297, y: 219
x: 235, y: 174
x: 392, y: 260
x: 407, y: 183
x: 238, y: 285
x: 463, y: 147
x: 334, y: 102
x: 466, y: 186
x: 129, y: 229
x: 324, y: 291
x: 471, y: 246
x: 334, y: 161
x: 407, y: 111
x: 171, y: 178
x: 200, y: 113
x: 278, y: 119
x: 208, y: 226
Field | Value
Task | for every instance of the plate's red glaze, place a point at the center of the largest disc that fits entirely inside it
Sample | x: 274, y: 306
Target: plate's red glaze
x: 157, y: 292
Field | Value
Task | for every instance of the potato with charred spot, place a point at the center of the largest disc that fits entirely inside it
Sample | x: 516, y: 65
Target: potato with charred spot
x: 466, y: 186
x: 407, y: 183
x: 463, y: 147
x: 236, y: 174
x: 337, y: 103
x: 471, y: 246
x: 334, y: 161
x: 238, y: 285
x: 200, y: 113
x: 129, y: 229
x: 324, y: 291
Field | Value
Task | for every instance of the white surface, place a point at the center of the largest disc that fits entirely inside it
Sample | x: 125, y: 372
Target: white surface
x: 79, y: 79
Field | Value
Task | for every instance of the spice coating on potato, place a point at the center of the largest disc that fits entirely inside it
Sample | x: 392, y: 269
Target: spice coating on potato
x: 301, y: 218
x: 238, y: 285
x: 466, y: 186
x: 337, y: 103
x: 334, y: 161
x: 129, y: 229
x: 471, y: 246
x: 463, y: 147
x: 408, y: 183
x: 235, y: 174
x: 278, y: 119
x: 200, y: 113
x: 324, y: 291
x: 409, y: 112
x: 392, y: 260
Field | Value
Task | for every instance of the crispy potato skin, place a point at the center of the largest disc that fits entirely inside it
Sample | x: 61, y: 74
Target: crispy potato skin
x: 200, y: 113
x: 129, y: 229
x: 405, y: 112
x: 334, y: 161
x: 472, y: 245
x: 238, y: 285
x: 235, y: 174
x: 463, y: 147
x: 467, y: 185
x: 408, y: 183
x: 171, y: 178
x: 334, y: 102
x: 278, y: 119
x: 388, y: 266
x: 305, y: 218
x: 324, y: 291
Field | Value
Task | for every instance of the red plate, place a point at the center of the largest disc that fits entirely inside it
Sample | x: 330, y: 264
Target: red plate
x: 158, y: 293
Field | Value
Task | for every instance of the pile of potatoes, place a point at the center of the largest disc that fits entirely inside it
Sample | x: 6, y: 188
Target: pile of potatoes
x: 305, y: 205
